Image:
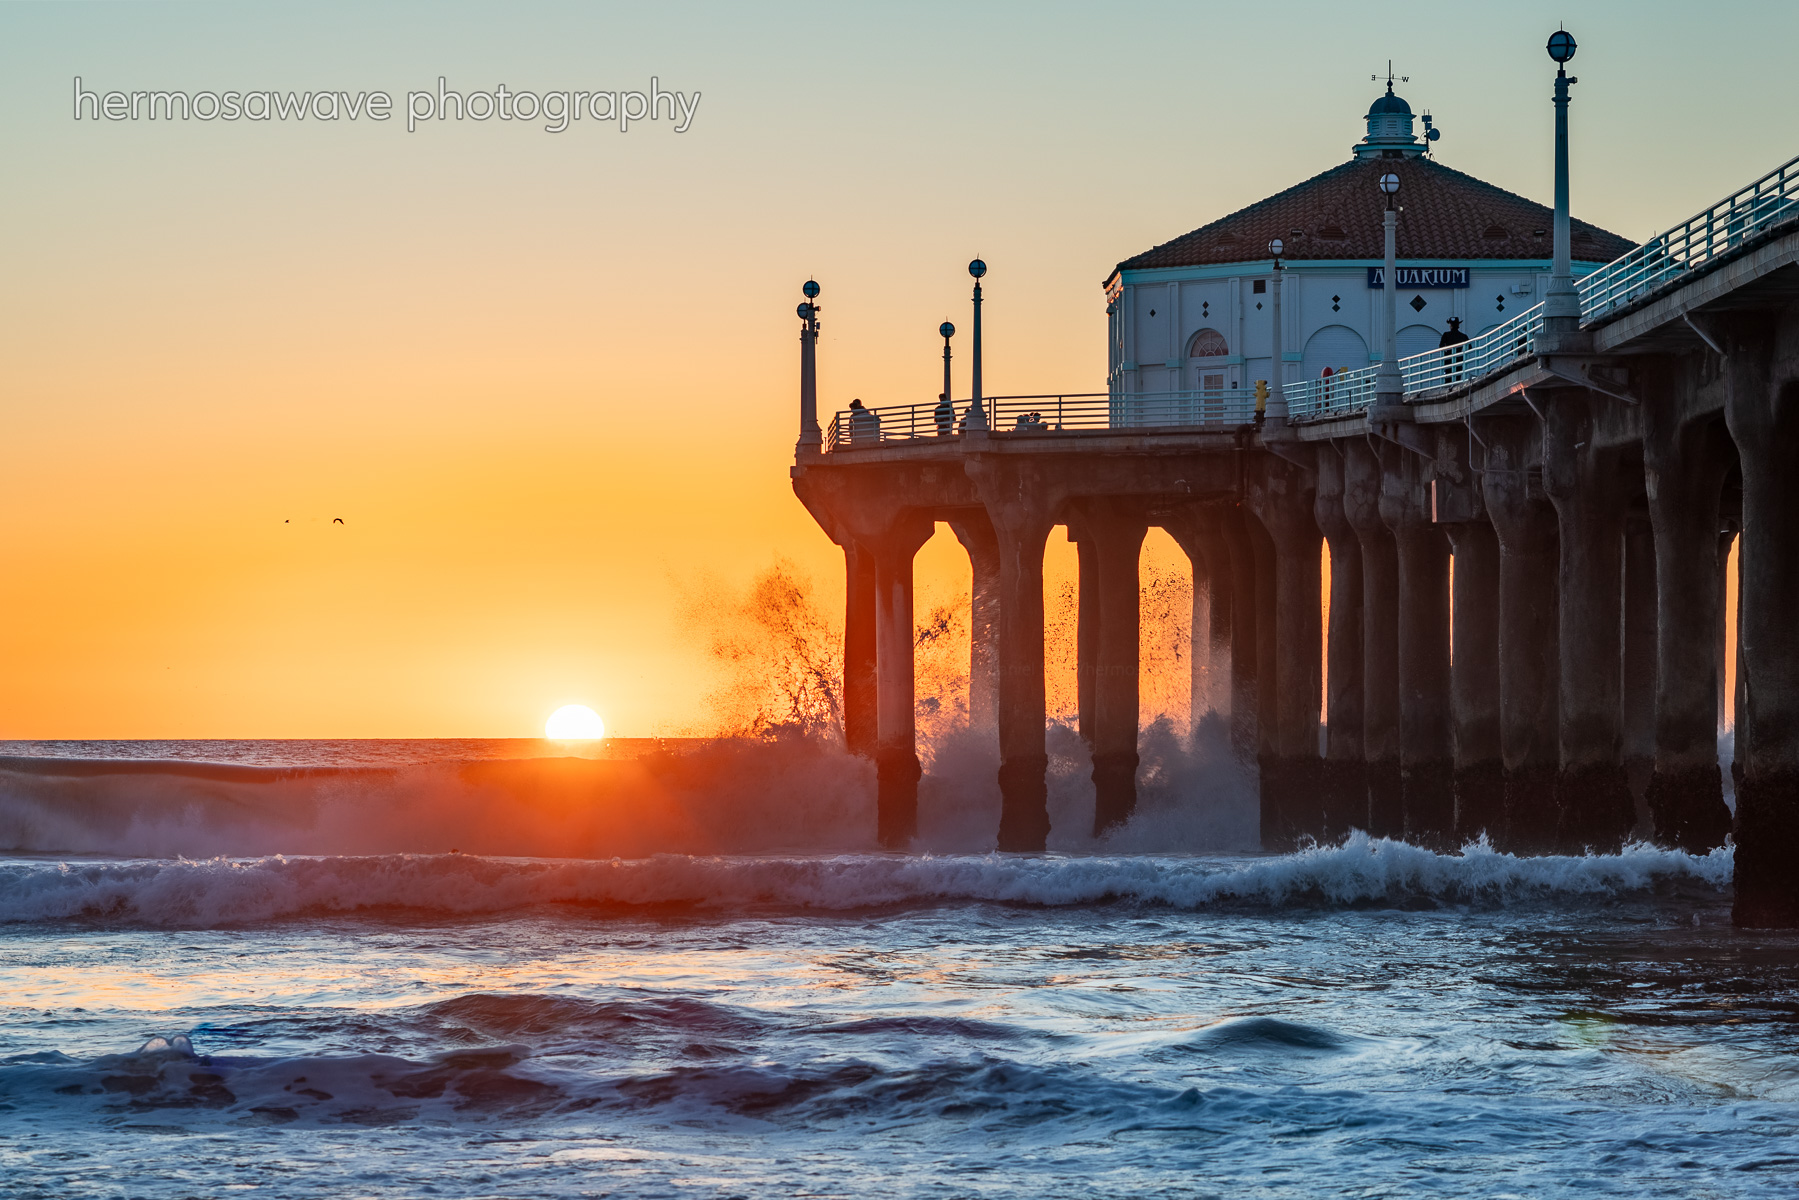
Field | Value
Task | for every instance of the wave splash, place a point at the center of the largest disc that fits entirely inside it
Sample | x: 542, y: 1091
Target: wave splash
x: 1360, y: 871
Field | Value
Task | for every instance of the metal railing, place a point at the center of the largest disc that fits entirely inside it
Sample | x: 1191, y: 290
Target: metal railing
x: 1718, y: 230
x: 1027, y: 415
x: 1005, y: 414
x: 1663, y: 259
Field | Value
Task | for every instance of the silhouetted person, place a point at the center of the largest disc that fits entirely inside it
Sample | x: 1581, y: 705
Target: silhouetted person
x: 865, y: 426
x: 945, y: 414
x: 1452, y: 359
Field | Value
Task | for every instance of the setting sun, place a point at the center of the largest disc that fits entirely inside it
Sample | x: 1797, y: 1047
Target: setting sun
x: 574, y: 723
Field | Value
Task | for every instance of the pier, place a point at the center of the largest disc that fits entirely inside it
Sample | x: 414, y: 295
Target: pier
x: 1579, y: 467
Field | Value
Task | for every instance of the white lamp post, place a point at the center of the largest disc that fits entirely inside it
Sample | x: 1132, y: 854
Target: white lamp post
x: 1561, y: 302
x: 1276, y: 416
x: 1389, y: 386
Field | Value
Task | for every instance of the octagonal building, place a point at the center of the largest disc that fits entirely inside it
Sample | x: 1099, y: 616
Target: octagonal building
x: 1192, y: 315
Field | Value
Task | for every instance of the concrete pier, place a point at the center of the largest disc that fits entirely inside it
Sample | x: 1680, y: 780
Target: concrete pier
x: 1086, y: 633
x: 975, y: 532
x: 1116, y: 529
x: 1585, y: 482
x: 1195, y: 529
x: 1474, y: 682
x: 896, y: 741
x: 1234, y: 545
x: 1281, y: 496
x: 1342, y: 783
x: 1426, y: 756
x: 1640, y: 669
x: 1685, y: 465
x: 1385, y: 807
x: 1529, y: 632
x: 1761, y: 407
x: 859, y: 729
x: 1529, y: 532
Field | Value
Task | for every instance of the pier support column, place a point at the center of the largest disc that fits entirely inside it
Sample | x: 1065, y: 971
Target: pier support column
x: 1383, y: 813
x: 1726, y: 539
x: 1762, y: 408
x: 976, y: 534
x: 1343, y: 786
x: 1282, y: 497
x: 1529, y: 632
x: 1115, y: 529
x: 1086, y: 629
x: 1474, y: 682
x: 896, y: 749
x: 1021, y: 507
x: 1199, y: 645
x: 1584, y: 481
x: 1640, y: 669
x: 1196, y: 530
x: 1426, y: 757
x: 859, y: 730
x: 1684, y: 469
x: 1245, y: 659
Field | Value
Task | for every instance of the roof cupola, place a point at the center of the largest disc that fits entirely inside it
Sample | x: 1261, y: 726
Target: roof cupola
x: 1389, y: 129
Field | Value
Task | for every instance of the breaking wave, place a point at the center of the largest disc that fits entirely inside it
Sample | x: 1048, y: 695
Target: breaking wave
x: 783, y: 794
x: 1360, y: 871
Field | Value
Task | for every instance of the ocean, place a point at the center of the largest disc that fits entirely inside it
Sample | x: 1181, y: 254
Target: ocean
x: 487, y: 969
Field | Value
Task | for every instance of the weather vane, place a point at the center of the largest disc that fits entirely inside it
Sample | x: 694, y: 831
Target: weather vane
x: 1402, y: 78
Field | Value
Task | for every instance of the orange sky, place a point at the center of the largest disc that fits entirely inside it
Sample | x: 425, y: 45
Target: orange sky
x: 548, y: 381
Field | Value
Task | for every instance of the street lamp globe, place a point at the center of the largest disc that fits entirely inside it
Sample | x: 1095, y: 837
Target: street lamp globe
x: 946, y: 331
x: 977, y: 268
x: 805, y: 311
x: 811, y: 289
x: 1275, y: 247
x: 1389, y: 184
x: 1561, y: 46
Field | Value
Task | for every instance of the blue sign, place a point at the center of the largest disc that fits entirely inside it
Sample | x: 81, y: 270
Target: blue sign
x: 1421, y: 277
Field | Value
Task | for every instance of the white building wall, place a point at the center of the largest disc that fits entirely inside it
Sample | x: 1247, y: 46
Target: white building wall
x: 1155, y: 349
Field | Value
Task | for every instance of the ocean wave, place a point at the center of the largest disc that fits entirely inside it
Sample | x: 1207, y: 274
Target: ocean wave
x: 1362, y: 870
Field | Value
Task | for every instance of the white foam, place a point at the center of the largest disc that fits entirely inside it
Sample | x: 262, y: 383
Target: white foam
x: 1362, y: 869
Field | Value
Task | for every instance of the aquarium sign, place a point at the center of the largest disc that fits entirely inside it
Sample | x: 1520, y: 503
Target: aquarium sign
x: 1421, y: 277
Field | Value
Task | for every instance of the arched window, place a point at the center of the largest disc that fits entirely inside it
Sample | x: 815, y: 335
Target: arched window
x: 1208, y: 343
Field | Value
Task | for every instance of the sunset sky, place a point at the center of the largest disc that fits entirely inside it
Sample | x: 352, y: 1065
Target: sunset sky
x: 548, y: 380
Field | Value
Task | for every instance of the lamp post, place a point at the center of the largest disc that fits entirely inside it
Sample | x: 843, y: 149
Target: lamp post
x: 810, y: 437
x: 977, y: 413
x: 1561, y: 302
x: 1389, y: 386
x: 1276, y: 417
x: 947, y: 331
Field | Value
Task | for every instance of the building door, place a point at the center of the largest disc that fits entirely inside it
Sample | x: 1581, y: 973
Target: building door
x: 1207, y: 351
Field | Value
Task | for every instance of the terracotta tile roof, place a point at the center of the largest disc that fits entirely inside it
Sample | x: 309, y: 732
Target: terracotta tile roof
x: 1447, y: 215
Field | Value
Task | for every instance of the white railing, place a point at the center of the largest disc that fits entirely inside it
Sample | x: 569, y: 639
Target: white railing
x: 1723, y: 227
x: 1664, y: 259
x: 1718, y: 230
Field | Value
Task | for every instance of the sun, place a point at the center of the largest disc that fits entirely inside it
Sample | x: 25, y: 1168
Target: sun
x: 574, y: 723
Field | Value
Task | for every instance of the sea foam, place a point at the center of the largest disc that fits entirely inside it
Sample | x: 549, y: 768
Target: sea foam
x: 1361, y: 870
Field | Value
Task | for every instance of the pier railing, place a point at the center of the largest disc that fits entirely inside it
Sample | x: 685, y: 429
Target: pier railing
x: 1661, y: 261
x: 1658, y: 262
x: 1027, y: 415
x: 1717, y: 230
